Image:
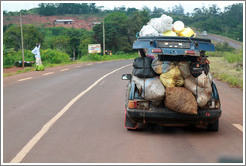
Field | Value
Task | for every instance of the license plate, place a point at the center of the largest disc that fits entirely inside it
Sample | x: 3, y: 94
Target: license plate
x: 168, y: 44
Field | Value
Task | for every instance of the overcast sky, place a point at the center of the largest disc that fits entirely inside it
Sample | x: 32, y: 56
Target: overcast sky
x: 187, y: 5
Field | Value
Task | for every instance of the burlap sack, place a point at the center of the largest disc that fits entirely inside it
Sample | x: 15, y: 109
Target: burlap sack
x: 184, y: 69
x: 203, y: 98
x: 203, y: 90
x: 181, y: 100
x: 204, y: 81
x: 161, y: 66
x: 190, y: 84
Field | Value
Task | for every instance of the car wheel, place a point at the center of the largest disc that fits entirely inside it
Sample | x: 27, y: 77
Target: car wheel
x: 213, y: 126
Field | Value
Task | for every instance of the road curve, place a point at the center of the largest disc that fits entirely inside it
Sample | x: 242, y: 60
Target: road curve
x: 222, y: 39
x: 92, y: 131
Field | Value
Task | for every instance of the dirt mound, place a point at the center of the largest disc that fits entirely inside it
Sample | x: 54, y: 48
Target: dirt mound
x: 48, y: 21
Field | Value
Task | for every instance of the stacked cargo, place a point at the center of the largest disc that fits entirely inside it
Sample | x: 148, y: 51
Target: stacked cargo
x: 174, y: 83
x: 164, y: 26
x: 182, y: 86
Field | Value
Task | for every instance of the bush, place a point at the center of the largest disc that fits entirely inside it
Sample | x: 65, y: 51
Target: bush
x: 39, y: 68
x: 224, y: 47
x: 10, y: 58
x: 54, y: 56
x: 47, y: 56
x: 92, y: 57
x: 215, y: 54
x: 28, y: 55
x: 98, y: 57
x: 233, y: 57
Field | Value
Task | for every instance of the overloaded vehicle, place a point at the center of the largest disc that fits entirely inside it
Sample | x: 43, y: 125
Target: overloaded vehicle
x: 171, y: 83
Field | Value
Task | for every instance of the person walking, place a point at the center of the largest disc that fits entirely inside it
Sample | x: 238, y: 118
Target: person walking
x: 36, y: 52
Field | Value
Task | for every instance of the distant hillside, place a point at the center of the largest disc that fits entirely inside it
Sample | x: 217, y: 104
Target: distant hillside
x: 47, y: 21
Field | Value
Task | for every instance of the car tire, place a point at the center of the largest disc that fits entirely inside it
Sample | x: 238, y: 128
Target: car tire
x: 214, y: 126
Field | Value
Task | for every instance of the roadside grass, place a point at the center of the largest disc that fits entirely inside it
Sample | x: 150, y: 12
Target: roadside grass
x: 84, y: 59
x: 232, y: 73
x: 97, y: 57
x: 26, y: 69
x: 47, y: 65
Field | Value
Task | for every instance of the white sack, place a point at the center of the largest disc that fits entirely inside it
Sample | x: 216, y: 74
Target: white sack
x: 153, y: 91
x: 162, y: 24
x: 148, y: 30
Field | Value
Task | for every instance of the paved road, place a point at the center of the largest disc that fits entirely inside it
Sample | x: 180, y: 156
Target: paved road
x: 221, y: 39
x: 91, y: 130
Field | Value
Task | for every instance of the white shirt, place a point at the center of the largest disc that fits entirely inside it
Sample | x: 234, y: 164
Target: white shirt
x: 36, y: 51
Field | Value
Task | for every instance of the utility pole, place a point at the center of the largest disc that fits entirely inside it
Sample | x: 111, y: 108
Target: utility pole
x: 103, y: 39
x: 22, y: 42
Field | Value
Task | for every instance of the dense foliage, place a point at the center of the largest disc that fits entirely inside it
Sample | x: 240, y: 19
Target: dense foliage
x: 121, y: 26
x: 48, y: 9
x: 48, y: 56
x: 31, y: 36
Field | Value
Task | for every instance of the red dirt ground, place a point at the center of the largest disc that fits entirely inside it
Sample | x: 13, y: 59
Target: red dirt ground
x: 11, y: 69
x: 47, y: 21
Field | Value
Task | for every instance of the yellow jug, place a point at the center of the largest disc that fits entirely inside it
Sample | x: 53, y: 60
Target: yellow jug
x: 169, y: 33
x: 187, y: 32
x: 178, y: 26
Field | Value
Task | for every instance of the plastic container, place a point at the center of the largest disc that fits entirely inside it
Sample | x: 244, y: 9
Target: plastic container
x: 170, y: 33
x: 178, y: 26
x: 187, y: 32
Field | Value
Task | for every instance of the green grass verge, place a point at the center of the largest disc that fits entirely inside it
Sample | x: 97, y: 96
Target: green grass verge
x: 231, y: 73
x: 97, y: 57
x: 86, y: 58
x: 26, y: 69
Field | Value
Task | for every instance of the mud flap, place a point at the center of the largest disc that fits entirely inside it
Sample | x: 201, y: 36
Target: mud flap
x: 129, y: 124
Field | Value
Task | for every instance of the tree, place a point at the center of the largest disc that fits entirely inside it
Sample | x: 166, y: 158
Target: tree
x: 214, y: 10
x: 60, y: 43
x: 131, y: 11
x: 147, y: 9
x: 86, y: 38
x: 47, y: 9
x: 178, y: 9
x: 116, y: 28
x: 31, y: 35
x: 157, y: 12
x: 135, y: 24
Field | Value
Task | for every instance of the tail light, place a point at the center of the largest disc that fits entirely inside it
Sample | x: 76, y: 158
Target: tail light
x: 190, y: 52
x: 138, y: 104
x: 132, y: 104
x: 156, y: 50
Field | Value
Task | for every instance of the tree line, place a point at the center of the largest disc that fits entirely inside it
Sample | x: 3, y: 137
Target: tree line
x: 48, y: 9
x: 121, y: 26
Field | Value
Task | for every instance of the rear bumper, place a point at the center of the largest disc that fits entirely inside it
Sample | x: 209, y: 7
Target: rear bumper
x: 166, y: 116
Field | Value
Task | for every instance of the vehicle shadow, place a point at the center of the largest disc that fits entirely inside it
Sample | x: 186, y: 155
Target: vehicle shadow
x: 171, y: 129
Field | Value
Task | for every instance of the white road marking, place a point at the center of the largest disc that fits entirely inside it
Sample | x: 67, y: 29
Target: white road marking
x: 64, y: 69
x: 26, y: 149
x: 89, y: 64
x: 28, y: 78
x: 238, y: 126
x: 48, y: 73
x: 77, y: 66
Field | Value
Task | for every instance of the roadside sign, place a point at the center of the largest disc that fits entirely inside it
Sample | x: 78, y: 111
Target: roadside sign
x: 94, y: 48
